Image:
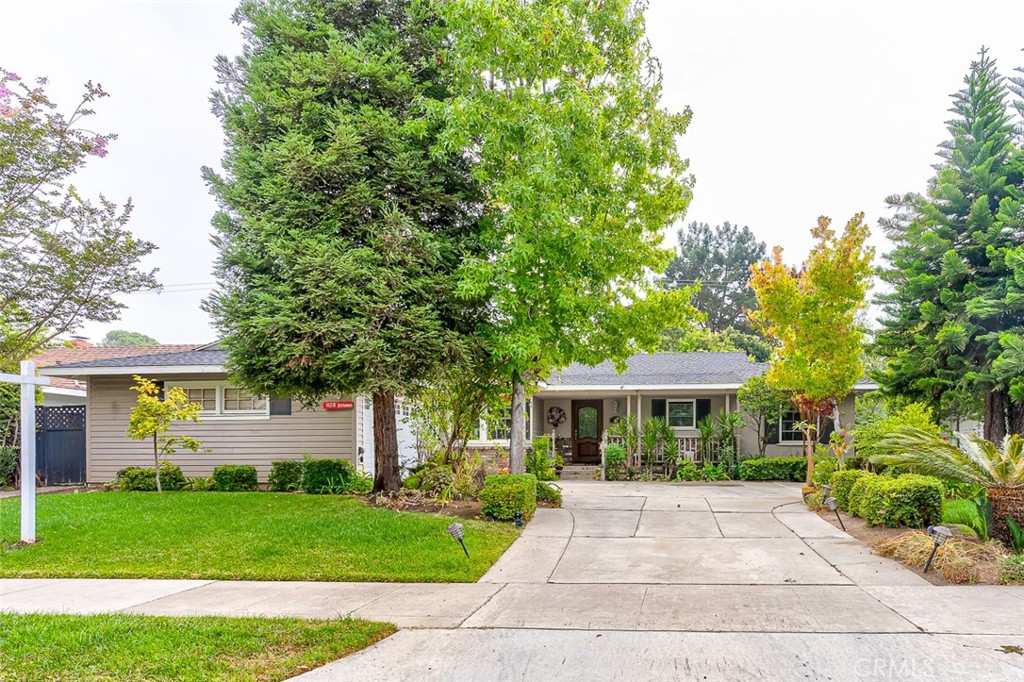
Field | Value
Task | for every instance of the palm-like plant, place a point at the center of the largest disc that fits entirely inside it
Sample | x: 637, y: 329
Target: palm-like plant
x: 967, y: 458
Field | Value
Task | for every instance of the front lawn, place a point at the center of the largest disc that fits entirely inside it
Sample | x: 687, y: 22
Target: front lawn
x: 242, y: 536
x: 116, y: 648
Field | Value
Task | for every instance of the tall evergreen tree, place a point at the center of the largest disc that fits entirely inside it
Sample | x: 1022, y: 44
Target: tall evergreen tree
x: 339, y: 230
x: 949, y: 310
x: 719, y: 258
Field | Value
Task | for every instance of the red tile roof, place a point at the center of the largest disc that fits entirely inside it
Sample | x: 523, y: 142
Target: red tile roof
x: 62, y: 355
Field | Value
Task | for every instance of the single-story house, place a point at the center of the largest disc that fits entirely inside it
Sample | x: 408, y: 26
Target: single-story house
x: 577, y: 406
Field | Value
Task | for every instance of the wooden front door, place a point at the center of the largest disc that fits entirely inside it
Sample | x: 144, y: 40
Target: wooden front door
x: 587, y: 418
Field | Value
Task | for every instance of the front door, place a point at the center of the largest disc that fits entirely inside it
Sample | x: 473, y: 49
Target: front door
x: 586, y: 431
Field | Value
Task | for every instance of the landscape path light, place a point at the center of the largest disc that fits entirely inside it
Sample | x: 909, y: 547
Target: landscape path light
x: 455, y: 530
x: 939, y: 536
x: 831, y: 503
x: 519, y: 519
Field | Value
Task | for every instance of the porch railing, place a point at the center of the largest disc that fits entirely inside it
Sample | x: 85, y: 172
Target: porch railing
x: 690, y: 448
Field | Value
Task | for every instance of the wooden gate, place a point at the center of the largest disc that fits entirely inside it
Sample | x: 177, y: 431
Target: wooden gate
x: 60, y: 444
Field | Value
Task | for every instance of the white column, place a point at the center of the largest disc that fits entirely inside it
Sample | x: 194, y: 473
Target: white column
x: 639, y: 426
x: 28, y: 452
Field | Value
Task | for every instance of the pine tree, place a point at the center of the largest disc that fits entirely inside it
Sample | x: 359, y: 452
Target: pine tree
x: 339, y: 231
x: 949, y: 305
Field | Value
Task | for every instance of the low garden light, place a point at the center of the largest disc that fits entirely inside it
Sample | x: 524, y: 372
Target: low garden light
x: 455, y: 530
x: 519, y: 519
x: 831, y: 503
x: 826, y: 491
x: 939, y: 536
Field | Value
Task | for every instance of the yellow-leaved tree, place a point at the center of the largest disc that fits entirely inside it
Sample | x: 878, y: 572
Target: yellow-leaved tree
x: 153, y: 417
x: 812, y: 314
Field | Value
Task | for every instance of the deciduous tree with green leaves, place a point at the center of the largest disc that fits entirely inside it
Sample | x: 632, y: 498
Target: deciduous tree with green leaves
x: 153, y: 417
x: 558, y: 104
x: 340, y: 229
x: 121, y: 337
x: 812, y: 315
x: 954, y: 314
x: 761, y: 406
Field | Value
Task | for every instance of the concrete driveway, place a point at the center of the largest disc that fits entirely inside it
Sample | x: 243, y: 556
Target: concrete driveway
x: 731, y: 581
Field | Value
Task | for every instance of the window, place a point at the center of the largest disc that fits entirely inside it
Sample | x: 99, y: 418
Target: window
x: 680, y: 413
x: 225, y: 400
x: 502, y: 431
x: 789, y: 431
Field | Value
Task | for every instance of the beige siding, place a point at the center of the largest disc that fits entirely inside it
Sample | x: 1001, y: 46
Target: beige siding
x: 748, y: 438
x: 230, y: 441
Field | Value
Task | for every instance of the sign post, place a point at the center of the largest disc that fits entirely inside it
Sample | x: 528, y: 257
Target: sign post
x: 28, y: 382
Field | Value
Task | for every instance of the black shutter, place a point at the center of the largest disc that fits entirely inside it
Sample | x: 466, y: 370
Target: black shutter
x: 658, y: 407
x: 703, y: 408
x: 772, y: 432
x: 826, y: 429
x: 280, y: 405
x: 160, y: 386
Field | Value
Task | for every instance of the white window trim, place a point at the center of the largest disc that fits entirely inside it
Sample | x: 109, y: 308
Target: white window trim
x: 693, y: 411
x: 219, y: 414
x: 792, y: 442
x: 483, y: 439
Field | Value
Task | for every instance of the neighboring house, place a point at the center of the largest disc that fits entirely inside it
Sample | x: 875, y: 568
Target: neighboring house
x: 579, y: 404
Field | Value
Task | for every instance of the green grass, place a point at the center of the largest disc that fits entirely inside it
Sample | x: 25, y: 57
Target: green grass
x: 242, y: 536
x: 116, y: 648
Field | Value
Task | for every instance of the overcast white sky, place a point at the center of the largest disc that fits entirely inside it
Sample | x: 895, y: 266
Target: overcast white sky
x: 800, y: 109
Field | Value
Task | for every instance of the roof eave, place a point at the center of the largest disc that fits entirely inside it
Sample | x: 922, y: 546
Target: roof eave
x: 66, y: 371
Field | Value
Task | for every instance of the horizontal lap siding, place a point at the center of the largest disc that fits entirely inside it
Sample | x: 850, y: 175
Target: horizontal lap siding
x: 258, y: 442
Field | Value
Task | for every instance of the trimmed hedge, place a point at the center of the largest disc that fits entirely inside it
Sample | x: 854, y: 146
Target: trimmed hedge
x: 505, y: 494
x: 858, y: 493
x: 285, y: 475
x: 908, y: 500
x: 548, y: 493
x: 773, y: 469
x: 323, y: 476
x: 144, y: 479
x: 842, y: 483
x: 235, y: 478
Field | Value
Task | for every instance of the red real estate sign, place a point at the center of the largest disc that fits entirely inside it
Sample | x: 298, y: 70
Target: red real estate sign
x: 338, y: 404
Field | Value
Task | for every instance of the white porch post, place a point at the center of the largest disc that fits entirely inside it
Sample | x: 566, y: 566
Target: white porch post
x: 639, y: 427
x: 28, y: 382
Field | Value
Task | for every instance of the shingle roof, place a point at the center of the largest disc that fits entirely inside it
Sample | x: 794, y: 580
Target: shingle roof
x: 75, y: 356
x: 664, y: 369
x: 187, y: 357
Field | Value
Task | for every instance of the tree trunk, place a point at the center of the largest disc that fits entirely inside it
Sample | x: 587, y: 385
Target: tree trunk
x: 385, y: 443
x: 1017, y: 419
x: 809, y: 439
x: 1005, y: 502
x: 995, y: 415
x: 156, y: 463
x: 517, y: 435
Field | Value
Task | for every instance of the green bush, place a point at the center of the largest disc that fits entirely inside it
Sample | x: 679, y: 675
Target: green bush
x: 438, y: 481
x: 548, y: 493
x: 537, y: 461
x: 687, y: 471
x: 505, y: 494
x: 909, y: 500
x: 971, y: 514
x: 842, y: 483
x: 869, y: 431
x: 1011, y: 569
x: 773, y: 469
x: 199, y: 484
x: 144, y: 479
x: 327, y: 476
x: 412, y: 481
x: 614, y: 462
x: 858, y: 492
x: 362, y: 484
x: 8, y: 463
x: 824, y: 469
x: 285, y: 475
x: 235, y: 478
x: 711, y: 472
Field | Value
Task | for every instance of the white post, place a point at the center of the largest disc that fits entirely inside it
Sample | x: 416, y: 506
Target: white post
x: 28, y: 382
x: 28, y: 451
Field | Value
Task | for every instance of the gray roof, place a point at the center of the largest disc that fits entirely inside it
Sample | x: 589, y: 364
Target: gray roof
x: 661, y: 369
x: 189, y: 358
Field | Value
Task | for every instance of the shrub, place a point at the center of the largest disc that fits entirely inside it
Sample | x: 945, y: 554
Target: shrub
x: 814, y: 500
x: 362, y: 483
x: 285, y: 475
x: 824, y: 469
x: 8, y: 463
x: 614, y: 462
x: 858, y: 492
x: 199, y: 484
x: 438, y: 481
x: 412, y: 481
x: 505, y: 494
x: 235, y: 478
x: 909, y: 500
x: 711, y: 472
x: 971, y: 514
x: 773, y: 469
x: 144, y: 478
x: 867, y: 433
x: 842, y: 483
x: 1011, y: 569
x: 327, y: 476
x: 537, y: 461
x: 687, y: 471
x: 548, y: 493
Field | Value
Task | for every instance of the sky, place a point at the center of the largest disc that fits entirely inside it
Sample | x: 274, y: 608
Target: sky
x: 800, y: 109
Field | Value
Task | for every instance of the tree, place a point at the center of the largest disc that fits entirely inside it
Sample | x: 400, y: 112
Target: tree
x: 812, y: 315
x: 557, y: 103
x: 120, y: 337
x: 720, y: 259
x: 761, y: 406
x: 955, y: 304
x: 153, y: 417
x: 63, y: 259
x: 340, y: 231
x: 697, y: 338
